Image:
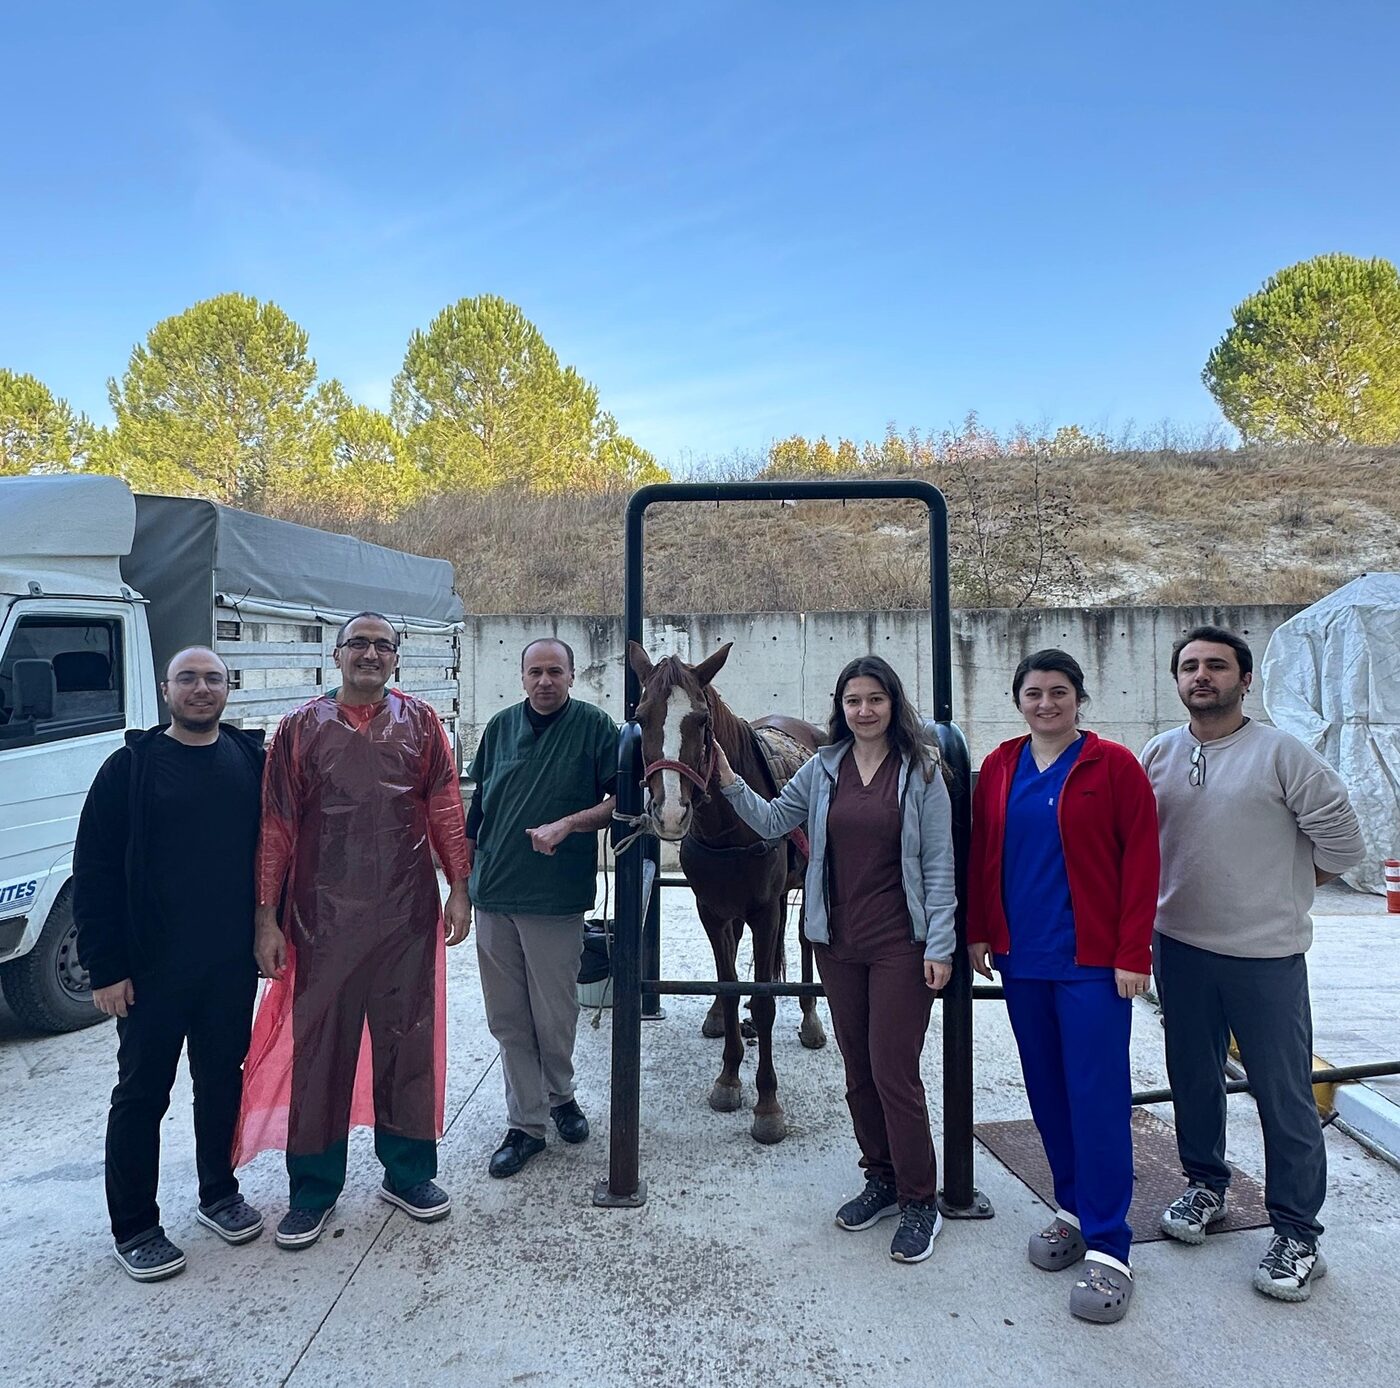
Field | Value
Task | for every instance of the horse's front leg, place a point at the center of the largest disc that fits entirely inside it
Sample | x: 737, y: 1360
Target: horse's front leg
x: 727, y: 1093
x: 769, y: 1121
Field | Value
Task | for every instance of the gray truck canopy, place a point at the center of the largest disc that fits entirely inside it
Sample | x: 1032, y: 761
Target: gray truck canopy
x: 189, y: 555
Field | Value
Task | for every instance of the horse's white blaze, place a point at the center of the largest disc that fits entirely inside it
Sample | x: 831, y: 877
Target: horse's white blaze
x: 672, y: 812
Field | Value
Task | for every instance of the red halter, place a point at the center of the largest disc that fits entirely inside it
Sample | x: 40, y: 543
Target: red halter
x: 699, y: 778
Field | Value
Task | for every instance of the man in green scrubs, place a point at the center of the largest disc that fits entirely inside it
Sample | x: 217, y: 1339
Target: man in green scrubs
x: 544, y: 771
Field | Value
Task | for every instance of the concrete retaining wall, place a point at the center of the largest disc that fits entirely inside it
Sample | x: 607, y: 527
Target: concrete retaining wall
x: 788, y: 662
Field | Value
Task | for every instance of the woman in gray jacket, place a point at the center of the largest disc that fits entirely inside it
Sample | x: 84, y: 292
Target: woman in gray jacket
x: 879, y: 910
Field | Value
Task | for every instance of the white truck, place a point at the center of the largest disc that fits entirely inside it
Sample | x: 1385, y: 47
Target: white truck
x: 98, y: 589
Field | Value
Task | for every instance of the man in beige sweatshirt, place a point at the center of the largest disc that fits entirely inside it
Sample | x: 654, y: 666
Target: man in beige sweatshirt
x: 1251, y: 822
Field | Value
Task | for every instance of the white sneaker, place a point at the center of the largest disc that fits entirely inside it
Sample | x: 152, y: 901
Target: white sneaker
x: 1289, y: 1268
x: 1189, y: 1215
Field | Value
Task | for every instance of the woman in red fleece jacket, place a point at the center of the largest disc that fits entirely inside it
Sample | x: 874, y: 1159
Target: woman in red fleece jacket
x: 1063, y: 892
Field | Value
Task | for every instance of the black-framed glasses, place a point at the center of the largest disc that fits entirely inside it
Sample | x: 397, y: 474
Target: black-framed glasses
x: 1198, y: 765
x: 360, y: 644
x: 188, y: 679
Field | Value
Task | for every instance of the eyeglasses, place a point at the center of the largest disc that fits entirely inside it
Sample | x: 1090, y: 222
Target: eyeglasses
x: 360, y: 644
x: 187, y: 679
x: 1198, y: 765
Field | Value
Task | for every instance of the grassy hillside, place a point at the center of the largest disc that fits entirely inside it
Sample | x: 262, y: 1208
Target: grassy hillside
x: 1249, y: 525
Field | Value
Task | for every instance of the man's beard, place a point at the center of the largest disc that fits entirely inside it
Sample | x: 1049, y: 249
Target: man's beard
x: 195, y: 725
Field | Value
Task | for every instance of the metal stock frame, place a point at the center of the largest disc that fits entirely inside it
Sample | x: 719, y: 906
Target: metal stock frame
x: 637, y: 985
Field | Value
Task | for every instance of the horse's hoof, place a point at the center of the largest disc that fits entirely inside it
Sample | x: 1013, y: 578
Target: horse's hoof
x: 713, y: 1027
x: 726, y: 1098
x: 769, y: 1128
x: 813, y: 1037
x: 748, y: 1030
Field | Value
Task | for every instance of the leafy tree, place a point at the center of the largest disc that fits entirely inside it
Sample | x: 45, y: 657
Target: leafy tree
x: 1314, y: 355
x: 358, y: 467
x: 483, y: 400
x: 38, y: 431
x: 219, y: 402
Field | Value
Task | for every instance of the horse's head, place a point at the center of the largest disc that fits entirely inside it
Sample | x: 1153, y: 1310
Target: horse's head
x: 678, y: 740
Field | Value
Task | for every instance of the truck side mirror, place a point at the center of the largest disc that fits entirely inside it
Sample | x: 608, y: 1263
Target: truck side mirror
x: 34, y: 689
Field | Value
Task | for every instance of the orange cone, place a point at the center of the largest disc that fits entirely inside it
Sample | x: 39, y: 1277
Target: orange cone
x: 1392, y: 885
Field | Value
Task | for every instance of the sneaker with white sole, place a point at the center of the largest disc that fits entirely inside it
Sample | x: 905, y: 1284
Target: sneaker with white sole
x: 1192, y: 1212
x: 873, y: 1204
x: 919, y: 1225
x: 1289, y: 1268
x: 300, y: 1228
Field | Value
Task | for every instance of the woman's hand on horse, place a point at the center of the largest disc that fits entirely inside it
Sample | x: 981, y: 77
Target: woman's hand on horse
x: 937, y: 972
x: 723, y: 770
x: 980, y: 957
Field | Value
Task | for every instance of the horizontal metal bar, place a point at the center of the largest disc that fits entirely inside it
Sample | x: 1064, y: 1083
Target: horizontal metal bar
x: 693, y: 988
x: 314, y: 649
x: 1336, y: 1074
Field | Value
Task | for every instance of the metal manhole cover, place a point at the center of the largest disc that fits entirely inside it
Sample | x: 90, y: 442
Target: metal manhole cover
x: 1016, y: 1145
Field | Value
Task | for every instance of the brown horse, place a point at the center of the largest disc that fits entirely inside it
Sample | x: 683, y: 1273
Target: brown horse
x: 737, y: 877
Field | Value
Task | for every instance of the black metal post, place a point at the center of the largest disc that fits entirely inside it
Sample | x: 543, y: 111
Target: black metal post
x: 959, y: 1198
x: 624, y: 1186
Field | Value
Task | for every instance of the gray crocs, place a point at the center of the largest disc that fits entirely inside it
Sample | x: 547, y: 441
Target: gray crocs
x: 1102, y: 1293
x: 1058, y: 1245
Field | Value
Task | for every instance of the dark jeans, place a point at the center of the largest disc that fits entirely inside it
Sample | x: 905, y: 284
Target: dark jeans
x: 213, y: 1012
x: 1264, y: 1002
x: 880, y: 1010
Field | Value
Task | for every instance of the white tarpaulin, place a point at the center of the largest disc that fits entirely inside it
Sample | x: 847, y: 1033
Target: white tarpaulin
x: 1332, y: 678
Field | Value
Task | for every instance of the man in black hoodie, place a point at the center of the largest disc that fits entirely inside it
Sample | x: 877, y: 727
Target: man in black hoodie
x: 163, y: 897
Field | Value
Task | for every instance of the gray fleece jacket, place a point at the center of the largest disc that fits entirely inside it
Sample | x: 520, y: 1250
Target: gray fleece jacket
x: 926, y: 844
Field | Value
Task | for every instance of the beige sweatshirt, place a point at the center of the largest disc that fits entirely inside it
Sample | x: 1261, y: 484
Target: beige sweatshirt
x: 1238, y: 852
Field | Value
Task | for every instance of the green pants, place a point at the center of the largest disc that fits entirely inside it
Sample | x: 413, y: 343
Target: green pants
x: 318, y: 1179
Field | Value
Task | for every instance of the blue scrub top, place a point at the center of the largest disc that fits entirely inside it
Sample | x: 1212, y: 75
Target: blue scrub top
x: 1034, y: 883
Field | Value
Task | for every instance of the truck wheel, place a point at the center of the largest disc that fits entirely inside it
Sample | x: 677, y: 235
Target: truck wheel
x: 47, y: 989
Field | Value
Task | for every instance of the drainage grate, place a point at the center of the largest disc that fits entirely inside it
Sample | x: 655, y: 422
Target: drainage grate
x: 1016, y: 1145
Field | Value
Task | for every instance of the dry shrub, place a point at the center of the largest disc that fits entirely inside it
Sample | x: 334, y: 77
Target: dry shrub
x: 1212, y: 525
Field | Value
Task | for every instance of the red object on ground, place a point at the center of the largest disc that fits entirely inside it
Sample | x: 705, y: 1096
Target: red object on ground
x: 1392, y: 885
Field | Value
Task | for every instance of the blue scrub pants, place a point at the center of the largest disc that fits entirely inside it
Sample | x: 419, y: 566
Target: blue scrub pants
x: 1073, y: 1039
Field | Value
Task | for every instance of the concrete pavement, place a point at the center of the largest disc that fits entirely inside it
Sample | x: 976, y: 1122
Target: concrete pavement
x: 733, y: 1273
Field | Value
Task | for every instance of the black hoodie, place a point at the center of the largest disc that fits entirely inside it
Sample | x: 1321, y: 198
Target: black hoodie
x: 118, y: 928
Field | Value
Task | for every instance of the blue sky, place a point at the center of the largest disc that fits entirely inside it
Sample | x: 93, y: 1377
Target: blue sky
x: 740, y: 220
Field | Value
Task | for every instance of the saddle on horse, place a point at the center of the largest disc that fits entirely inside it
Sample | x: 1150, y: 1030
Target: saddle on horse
x: 781, y: 756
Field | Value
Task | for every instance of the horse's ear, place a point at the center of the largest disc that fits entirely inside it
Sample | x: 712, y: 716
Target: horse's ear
x: 712, y: 664
x: 639, y: 660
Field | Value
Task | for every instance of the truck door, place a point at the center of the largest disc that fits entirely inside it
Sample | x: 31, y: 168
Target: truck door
x: 64, y: 700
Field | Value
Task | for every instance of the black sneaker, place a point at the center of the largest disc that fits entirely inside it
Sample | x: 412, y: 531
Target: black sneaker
x: 570, y: 1120
x: 919, y: 1225
x: 234, y: 1220
x: 149, y: 1257
x: 1289, y: 1269
x: 869, y: 1207
x: 517, y: 1148
x: 301, y: 1228
x: 424, y: 1202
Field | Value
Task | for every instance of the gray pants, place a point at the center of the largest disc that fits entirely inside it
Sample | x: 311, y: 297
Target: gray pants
x: 529, y: 976
x: 1264, y: 1002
